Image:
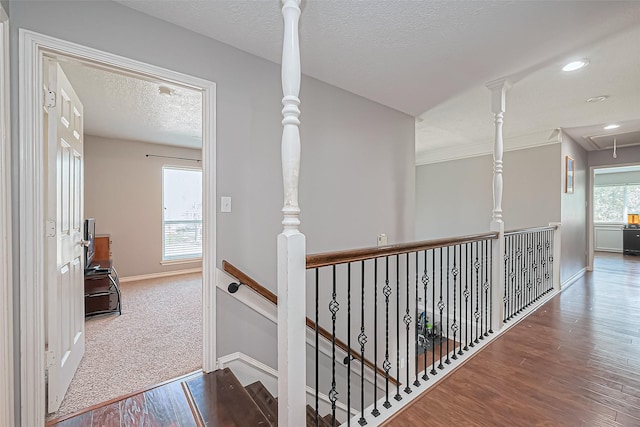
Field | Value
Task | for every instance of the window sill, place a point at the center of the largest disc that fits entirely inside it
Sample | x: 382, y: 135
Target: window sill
x: 180, y: 261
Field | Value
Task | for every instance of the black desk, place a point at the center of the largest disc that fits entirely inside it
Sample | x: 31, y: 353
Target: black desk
x: 101, y: 289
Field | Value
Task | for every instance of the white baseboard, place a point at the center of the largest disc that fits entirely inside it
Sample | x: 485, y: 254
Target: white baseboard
x: 614, y: 250
x: 160, y: 275
x: 573, y: 278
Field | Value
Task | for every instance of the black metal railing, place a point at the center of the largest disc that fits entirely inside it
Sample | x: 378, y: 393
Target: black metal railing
x: 528, y: 268
x: 432, y: 299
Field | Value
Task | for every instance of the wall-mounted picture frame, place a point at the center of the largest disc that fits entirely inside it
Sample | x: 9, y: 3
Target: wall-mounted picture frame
x: 569, y: 175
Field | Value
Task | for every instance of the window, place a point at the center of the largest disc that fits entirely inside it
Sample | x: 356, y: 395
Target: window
x: 181, y: 213
x: 612, y: 203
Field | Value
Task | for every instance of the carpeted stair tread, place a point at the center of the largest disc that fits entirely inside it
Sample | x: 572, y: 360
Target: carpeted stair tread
x: 221, y: 401
x: 311, y: 418
x: 265, y: 401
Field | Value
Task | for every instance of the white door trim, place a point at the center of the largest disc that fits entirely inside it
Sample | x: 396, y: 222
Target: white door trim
x: 6, y: 278
x: 32, y: 328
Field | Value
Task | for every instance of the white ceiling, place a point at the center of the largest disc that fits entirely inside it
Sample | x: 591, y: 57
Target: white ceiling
x: 432, y: 58
x: 544, y: 100
x: 125, y: 107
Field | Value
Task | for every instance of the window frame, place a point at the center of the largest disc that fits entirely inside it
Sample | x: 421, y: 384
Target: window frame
x: 625, y: 209
x: 186, y: 259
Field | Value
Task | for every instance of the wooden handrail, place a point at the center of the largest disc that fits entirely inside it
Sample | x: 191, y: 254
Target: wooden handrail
x: 249, y: 282
x: 342, y: 257
x: 266, y: 293
x: 530, y: 230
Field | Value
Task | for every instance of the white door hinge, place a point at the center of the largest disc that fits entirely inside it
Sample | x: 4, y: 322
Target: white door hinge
x: 49, y: 98
x: 50, y: 228
x: 50, y: 358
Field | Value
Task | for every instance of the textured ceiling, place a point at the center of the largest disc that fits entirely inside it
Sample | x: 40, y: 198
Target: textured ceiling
x: 409, y: 55
x: 432, y: 58
x: 544, y: 100
x: 124, y: 107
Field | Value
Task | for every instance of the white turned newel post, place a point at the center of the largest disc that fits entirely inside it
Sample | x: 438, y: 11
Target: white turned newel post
x: 498, y: 90
x: 291, y: 242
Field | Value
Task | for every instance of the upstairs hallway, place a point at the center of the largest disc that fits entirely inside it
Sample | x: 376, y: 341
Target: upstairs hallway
x: 573, y: 362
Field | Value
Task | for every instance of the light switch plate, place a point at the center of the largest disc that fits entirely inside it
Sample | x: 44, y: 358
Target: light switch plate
x: 225, y: 204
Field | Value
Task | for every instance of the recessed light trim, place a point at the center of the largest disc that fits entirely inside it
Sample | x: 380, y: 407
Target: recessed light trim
x: 597, y: 99
x: 576, y: 65
x: 611, y: 126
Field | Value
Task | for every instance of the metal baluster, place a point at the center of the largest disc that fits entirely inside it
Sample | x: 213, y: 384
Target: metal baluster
x: 461, y: 272
x: 476, y: 313
x: 512, y: 261
x: 386, y: 365
x: 506, y: 294
x: 528, y: 291
x: 533, y: 269
x: 441, y: 308
x: 317, y: 347
x: 447, y: 360
x: 486, y: 288
x: 466, y: 297
x: 540, y: 267
x: 425, y: 282
x: 397, y: 396
x: 348, y: 340
x: 334, y: 306
x: 454, y: 326
x: 417, y: 368
x: 547, y: 246
x: 471, y: 267
x: 407, y: 323
x: 522, y: 288
x: 375, y: 411
x: 491, y: 287
x: 362, y: 339
x: 482, y: 278
x: 433, y: 310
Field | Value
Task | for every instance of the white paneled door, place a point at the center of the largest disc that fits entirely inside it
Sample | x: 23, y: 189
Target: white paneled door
x: 64, y: 233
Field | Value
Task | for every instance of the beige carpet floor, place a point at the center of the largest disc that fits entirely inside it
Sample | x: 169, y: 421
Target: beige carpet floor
x: 158, y: 337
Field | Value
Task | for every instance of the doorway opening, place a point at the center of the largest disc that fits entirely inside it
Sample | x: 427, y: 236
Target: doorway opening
x: 615, y: 200
x: 33, y: 276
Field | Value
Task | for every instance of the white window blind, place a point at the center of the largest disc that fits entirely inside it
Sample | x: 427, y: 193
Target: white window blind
x: 181, y: 213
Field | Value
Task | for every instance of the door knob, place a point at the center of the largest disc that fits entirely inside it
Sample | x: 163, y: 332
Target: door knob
x: 85, y: 243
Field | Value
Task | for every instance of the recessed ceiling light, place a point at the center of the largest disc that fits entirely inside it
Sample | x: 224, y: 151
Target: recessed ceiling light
x: 598, y: 98
x: 612, y: 126
x: 576, y: 65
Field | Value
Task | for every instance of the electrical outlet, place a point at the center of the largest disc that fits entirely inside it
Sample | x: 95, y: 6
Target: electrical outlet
x: 382, y: 239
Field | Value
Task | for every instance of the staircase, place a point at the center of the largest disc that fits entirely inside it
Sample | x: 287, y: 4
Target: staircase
x: 218, y: 399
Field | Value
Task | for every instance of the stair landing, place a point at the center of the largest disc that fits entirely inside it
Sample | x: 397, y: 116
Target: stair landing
x: 216, y: 399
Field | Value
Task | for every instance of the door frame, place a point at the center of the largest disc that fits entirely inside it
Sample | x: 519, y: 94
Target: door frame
x: 591, y: 242
x: 32, y: 47
x: 7, y: 389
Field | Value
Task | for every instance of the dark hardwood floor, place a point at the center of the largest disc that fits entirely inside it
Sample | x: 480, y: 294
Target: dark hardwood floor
x: 573, y: 362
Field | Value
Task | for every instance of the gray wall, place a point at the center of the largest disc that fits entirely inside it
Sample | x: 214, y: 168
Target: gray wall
x: 357, y: 177
x: 5, y: 5
x: 455, y: 198
x: 574, y: 211
x: 123, y: 192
